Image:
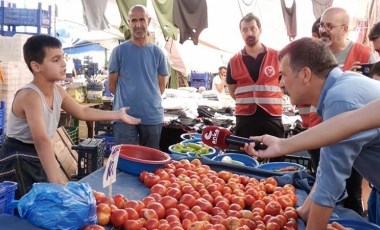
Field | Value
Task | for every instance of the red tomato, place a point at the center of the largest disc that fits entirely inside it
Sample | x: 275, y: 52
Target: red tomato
x: 119, y: 217
x: 159, y: 188
x: 119, y: 200
x: 273, y: 208
x: 132, y: 224
x: 158, y: 208
x: 132, y: 214
x: 94, y: 227
x: 168, y: 202
x: 188, y: 200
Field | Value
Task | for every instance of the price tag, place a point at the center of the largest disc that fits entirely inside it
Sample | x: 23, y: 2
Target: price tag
x: 109, y: 175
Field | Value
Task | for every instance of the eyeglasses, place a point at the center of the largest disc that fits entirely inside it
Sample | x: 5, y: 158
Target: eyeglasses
x: 328, y: 26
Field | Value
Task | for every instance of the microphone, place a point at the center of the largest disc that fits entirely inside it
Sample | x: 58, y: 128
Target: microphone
x: 222, y: 138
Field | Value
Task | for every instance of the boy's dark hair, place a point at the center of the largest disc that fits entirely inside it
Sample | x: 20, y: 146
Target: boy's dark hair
x: 34, y: 48
x: 250, y: 17
x: 375, y: 32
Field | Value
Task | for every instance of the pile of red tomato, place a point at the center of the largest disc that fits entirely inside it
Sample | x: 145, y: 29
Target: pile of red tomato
x: 189, y: 195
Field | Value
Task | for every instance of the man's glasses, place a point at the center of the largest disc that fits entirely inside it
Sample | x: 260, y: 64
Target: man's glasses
x: 328, y: 26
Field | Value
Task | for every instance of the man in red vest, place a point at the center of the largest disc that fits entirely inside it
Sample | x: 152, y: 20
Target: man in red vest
x: 253, y: 81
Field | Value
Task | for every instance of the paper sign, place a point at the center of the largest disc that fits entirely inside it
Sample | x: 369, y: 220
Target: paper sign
x: 109, y: 175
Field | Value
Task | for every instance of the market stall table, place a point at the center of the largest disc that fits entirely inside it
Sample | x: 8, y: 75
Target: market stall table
x: 130, y: 186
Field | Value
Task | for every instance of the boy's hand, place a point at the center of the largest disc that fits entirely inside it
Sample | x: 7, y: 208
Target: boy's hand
x: 128, y: 119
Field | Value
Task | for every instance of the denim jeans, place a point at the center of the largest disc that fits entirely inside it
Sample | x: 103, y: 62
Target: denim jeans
x: 374, y: 207
x: 145, y: 135
x: 19, y: 162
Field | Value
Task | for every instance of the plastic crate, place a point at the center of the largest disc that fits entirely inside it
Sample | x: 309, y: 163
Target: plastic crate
x: 2, y: 200
x: 103, y: 126
x: 90, y: 156
x: 73, y: 132
x: 10, y: 191
x: 109, y: 140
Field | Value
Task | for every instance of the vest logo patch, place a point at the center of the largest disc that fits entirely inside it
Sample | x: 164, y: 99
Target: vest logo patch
x: 269, y: 71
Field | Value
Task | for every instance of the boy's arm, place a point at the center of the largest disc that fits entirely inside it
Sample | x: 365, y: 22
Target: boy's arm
x: 32, y: 108
x: 85, y: 113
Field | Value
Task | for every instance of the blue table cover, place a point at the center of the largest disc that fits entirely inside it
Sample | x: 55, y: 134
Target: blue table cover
x: 130, y: 186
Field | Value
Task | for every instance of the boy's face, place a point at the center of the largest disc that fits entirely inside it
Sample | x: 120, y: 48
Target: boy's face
x: 54, y: 65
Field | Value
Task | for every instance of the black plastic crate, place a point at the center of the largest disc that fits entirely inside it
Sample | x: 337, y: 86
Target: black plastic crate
x: 301, y: 159
x: 109, y: 142
x: 90, y: 156
x: 103, y: 126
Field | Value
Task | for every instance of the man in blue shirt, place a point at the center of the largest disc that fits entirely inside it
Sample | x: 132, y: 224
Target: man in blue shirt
x: 310, y: 76
x: 138, y: 76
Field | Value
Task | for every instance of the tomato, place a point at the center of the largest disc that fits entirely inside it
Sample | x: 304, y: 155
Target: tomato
x: 258, y: 204
x: 119, y: 200
x: 271, y: 180
x: 188, y: 200
x: 272, y: 226
x: 151, y: 179
x: 168, y: 202
x: 159, y: 188
x: 132, y: 204
x: 150, y: 214
x: 143, y: 175
x: 94, y: 227
x: 152, y: 224
x: 103, y: 218
x: 172, y: 211
x: 132, y: 214
x: 203, y: 216
x: 118, y: 217
x: 175, y: 193
x: 158, y: 208
x: 204, y: 204
x: 172, y: 218
x: 273, y: 208
x: 285, y: 201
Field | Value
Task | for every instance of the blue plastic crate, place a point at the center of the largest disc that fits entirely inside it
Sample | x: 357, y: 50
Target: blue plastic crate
x: 10, y: 191
x: 109, y: 140
x: 2, y: 200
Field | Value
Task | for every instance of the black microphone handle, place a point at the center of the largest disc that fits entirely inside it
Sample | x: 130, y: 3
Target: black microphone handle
x: 240, y: 141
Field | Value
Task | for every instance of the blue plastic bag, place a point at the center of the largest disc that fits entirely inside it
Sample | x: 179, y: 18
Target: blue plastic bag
x: 54, y: 206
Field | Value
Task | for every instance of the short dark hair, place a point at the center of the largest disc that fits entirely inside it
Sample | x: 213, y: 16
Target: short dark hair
x: 34, y: 48
x: 375, y: 69
x: 311, y: 53
x: 374, y: 32
x: 315, y: 27
x: 222, y: 67
x: 250, y: 17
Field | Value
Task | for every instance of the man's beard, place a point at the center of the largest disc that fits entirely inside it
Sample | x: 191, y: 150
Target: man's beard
x: 251, y: 41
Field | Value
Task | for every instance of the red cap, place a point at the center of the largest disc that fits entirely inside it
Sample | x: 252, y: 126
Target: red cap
x: 215, y: 137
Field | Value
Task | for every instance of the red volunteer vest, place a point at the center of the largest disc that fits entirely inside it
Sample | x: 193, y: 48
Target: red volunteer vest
x: 358, y: 52
x: 265, y: 93
x: 309, y: 116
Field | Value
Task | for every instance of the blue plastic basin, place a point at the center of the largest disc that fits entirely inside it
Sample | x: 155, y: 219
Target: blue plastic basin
x: 247, y: 160
x: 274, y: 166
x: 135, y: 158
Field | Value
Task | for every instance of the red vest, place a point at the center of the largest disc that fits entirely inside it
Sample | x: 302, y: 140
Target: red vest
x: 265, y: 93
x: 309, y: 116
x: 358, y: 52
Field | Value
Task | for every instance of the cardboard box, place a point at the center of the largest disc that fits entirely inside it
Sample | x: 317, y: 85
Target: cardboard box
x: 66, y: 157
